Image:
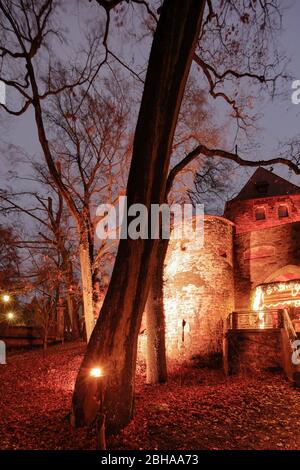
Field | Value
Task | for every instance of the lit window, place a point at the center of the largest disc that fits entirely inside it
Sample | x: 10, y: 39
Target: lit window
x: 283, y: 212
x: 260, y: 213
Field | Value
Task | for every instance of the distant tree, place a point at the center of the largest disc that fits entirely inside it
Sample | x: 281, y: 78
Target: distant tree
x: 9, y: 260
x: 46, y: 304
x: 30, y: 67
x: 51, y: 240
x: 89, y: 139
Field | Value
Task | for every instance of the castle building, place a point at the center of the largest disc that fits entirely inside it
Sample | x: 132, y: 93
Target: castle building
x: 250, y: 260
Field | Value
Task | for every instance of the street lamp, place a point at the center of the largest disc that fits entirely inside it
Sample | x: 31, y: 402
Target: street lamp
x: 6, y: 298
x: 10, y: 315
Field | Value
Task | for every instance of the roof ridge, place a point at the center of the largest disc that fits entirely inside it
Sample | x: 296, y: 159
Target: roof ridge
x: 272, y: 185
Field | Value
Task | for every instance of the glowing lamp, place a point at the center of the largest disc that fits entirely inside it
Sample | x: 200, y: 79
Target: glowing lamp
x: 6, y: 298
x: 10, y: 315
x: 96, y: 372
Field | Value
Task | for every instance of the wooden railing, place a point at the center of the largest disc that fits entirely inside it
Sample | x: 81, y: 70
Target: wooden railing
x: 250, y: 319
x: 288, y: 326
x: 290, y: 351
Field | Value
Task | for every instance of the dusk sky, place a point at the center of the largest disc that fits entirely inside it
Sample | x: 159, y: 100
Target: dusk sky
x: 279, y: 118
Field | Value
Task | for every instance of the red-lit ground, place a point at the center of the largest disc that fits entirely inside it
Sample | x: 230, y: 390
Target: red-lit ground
x: 195, y: 410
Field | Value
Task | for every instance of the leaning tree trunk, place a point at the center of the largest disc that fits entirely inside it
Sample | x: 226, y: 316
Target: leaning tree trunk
x: 87, y: 284
x: 113, y: 345
x: 155, y: 321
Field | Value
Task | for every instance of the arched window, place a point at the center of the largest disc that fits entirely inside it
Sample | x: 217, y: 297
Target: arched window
x: 283, y: 211
x: 260, y: 213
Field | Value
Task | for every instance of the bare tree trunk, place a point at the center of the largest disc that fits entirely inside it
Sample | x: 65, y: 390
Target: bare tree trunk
x: 69, y: 278
x: 155, y: 321
x: 85, y: 261
x: 45, y: 332
x: 113, y: 344
x: 73, y: 316
x: 60, y: 320
x: 87, y: 285
x: 45, y: 340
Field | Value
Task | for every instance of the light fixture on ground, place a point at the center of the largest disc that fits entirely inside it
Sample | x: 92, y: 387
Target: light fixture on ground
x: 96, y: 372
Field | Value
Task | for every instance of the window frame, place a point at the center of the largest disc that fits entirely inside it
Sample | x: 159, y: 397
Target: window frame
x: 260, y: 208
x: 287, y: 211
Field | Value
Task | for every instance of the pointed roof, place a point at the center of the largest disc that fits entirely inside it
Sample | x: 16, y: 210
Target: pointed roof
x: 264, y: 183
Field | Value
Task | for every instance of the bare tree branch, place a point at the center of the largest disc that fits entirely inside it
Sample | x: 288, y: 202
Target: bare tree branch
x: 212, y: 153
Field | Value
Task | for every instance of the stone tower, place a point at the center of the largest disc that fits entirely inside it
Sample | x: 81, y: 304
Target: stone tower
x: 266, y: 214
x: 257, y: 242
x: 199, y: 290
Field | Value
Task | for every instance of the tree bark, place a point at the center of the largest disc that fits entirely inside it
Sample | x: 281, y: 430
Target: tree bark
x: 113, y: 344
x: 156, y: 356
x: 155, y: 321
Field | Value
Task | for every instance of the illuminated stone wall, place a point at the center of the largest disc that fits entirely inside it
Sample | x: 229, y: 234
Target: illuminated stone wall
x: 250, y: 351
x: 242, y: 212
x: 262, y: 247
x: 203, y: 284
x: 199, y: 290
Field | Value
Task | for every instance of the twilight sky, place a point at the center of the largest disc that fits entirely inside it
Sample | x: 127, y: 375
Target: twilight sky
x: 280, y: 119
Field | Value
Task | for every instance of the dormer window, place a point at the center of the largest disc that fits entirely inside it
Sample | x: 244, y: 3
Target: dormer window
x: 283, y: 211
x: 262, y: 187
x: 260, y: 213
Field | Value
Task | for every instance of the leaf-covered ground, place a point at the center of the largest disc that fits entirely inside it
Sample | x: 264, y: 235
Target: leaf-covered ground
x: 197, y: 409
